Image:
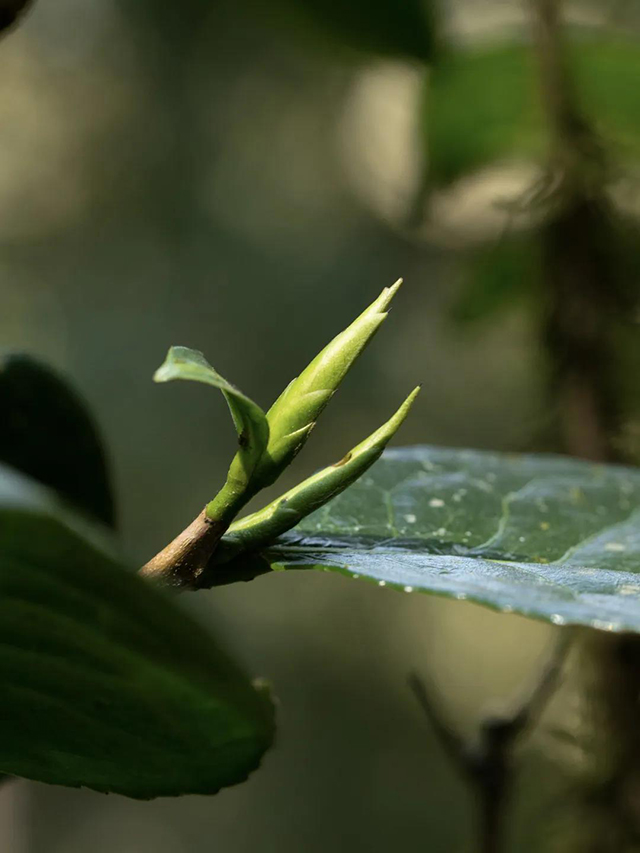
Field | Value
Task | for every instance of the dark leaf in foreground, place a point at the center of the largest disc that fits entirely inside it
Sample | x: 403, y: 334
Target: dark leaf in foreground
x: 47, y: 432
x: 106, y: 683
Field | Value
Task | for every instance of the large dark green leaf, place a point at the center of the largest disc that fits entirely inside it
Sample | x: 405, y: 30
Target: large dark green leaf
x: 548, y: 537
x: 47, y: 432
x: 402, y: 28
x: 105, y: 683
x: 483, y: 104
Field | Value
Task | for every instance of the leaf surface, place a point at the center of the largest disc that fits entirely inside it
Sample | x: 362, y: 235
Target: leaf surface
x: 546, y: 536
x: 47, y: 432
x: 105, y: 682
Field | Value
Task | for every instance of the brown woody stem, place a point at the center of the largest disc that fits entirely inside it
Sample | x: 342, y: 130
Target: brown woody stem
x: 182, y: 562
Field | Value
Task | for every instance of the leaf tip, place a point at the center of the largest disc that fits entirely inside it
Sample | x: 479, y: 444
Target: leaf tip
x: 408, y: 403
x: 382, y: 303
x: 165, y: 372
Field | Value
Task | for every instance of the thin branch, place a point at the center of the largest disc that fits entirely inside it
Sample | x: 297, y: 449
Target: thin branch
x: 454, y: 745
x: 488, y: 762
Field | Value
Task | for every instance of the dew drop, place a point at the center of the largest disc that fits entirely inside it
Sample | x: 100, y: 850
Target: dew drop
x: 410, y: 518
x: 436, y: 502
x: 603, y: 626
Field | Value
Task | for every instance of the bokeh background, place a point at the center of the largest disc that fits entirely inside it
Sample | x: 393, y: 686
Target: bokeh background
x: 220, y: 175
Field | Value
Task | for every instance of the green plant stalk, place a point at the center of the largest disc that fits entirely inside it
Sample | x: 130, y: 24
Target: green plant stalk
x: 263, y: 527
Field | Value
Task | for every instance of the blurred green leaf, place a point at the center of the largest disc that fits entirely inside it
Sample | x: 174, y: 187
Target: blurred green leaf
x: 404, y: 28
x: 249, y: 420
x: 549, y: 537
x: 47, y: 432
x: 496, y: 277
x: 483, y: 104
x: 10, y: 11
x: 105, y: 682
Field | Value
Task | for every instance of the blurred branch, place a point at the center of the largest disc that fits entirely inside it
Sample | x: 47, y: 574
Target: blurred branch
x: 488, y: 762
x: 581, y: 270
x: 579, y: 265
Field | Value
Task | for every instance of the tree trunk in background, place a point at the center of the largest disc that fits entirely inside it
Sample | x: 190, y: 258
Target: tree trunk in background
x: 599, y: 741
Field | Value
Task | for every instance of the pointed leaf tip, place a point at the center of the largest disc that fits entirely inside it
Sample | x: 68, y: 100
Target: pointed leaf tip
x: 384, y: 300
x: 294, y: 413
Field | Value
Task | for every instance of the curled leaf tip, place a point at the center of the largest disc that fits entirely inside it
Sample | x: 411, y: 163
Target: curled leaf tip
x: 249, y: 419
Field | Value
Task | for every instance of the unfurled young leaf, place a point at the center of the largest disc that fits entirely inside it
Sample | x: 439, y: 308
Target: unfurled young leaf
x: 249, y: 419
x: 295, y: 412
x: 105, y: 682
x: 260, y: 528
x: 47, y: 432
